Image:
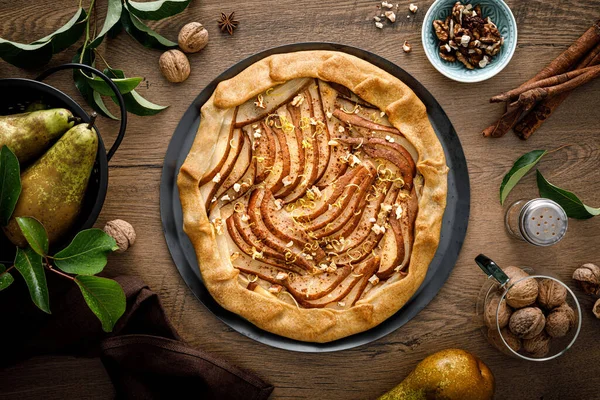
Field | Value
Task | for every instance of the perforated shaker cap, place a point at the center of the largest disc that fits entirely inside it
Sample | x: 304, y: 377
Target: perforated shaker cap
x: 543, y: 222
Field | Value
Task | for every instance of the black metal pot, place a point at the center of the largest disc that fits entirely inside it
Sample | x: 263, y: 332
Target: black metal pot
x: 16, y: 94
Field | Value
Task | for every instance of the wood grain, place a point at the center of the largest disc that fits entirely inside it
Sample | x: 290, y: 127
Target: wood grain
x: 545, y: 29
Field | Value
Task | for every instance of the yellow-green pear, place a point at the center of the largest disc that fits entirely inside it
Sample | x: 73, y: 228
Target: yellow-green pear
x: 29, y: 134
x: 450, y: 374
x: 54, y: 186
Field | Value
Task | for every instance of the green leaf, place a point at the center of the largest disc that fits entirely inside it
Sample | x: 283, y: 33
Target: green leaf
x: 156, y: 10
x: 143, y: 34
x: 35, y: 234
x: 518, y: 170
x: 29, y: 265
x: 124, y: 85
x: 40, y: 51
x: 567, y: 200
x: 113, y: 15
x: 10, y: 184
x: 134, y: 102
x: 86, y: 254
x: 104, y: 297
x: 6, y: 279
x: 91, y: 97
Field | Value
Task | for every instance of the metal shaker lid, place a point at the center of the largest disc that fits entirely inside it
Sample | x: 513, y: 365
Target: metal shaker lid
x: 543, y: 222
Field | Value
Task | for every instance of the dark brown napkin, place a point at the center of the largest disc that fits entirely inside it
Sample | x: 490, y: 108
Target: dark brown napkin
x: 144, y: 356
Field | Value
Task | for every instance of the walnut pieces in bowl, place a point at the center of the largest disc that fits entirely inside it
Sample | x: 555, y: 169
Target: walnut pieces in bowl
x: 533, y: 317
x: 469, y: 41
x: 467, y: 36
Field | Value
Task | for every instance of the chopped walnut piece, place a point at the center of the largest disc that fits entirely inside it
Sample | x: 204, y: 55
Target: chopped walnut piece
x: 413, y: 8
x: 379, y: 25
x: 298, y: 100
x: 259, y: 102
x: 406, y: 47
x: 390, y: 15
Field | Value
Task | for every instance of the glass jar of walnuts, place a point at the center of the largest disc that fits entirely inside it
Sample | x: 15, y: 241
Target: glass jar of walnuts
x: 525, y: 313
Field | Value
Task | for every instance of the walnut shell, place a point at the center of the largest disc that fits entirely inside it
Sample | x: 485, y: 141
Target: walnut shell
x: 551, y: 294
x: 522, y: 293
x: 537, y: 346
x: 193, y: 37
x: 560, y: 321
x: 174, y: 66
x: 491, y: 307
x: 511, y: 339
x: 122, y: 232
x: 588, y: 278
x: 596, y: 309
x: 527, y: 322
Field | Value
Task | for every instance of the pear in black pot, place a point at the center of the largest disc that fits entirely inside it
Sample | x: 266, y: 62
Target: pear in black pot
x: 54, y: 186
x: 29, y: 134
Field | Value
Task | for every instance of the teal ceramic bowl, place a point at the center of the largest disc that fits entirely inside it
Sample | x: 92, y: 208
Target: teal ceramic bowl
x: 500, y: 14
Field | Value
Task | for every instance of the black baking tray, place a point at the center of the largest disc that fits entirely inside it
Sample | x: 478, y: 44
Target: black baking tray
x: 454, y: 225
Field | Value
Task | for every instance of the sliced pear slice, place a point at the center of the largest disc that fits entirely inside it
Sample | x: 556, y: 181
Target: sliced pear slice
x: 222, y: 148
x: 356, y: 120
x: 249, y: 113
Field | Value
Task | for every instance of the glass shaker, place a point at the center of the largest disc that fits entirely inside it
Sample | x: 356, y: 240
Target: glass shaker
x: 541, y: 222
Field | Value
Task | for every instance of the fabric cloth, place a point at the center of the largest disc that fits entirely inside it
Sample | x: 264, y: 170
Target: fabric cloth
x: 144, y: 356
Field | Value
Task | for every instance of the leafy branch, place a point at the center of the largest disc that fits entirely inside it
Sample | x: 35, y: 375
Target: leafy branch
x: 120, y: 15
x: 79, y: 262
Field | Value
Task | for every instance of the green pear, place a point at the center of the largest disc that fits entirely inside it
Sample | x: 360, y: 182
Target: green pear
x: 29, y: 134
x: 450, y: 374
x: 54, y: 186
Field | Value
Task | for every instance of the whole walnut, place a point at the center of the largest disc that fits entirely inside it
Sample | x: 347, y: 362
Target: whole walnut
x: 527, y: 322
x: 551, y: 294
x: 193, y: 37
x: 588, y: 278
x: 511, y: 339
x: 537, y: 346
x: 491, y: 307
x: 560, y: 321
x: 596, y: 309
x: 174, y: 66
x: 522, y: 293
x: 122, y: 232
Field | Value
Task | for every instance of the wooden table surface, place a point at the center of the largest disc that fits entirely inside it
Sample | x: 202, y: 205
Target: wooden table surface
x: 545, y: 29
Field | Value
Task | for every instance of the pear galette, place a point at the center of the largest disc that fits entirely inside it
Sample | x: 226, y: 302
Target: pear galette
x: 313, y: 194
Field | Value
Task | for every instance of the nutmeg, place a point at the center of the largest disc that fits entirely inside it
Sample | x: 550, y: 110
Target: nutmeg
x: 491, y: 308
x: 174, y: 66
x: 122, y: 232
x: 511, y: 339
x: 588, y: 278
x: 551, y: 293
x: 522, y: 292
x: 193, y: 37
x: 527, y: 322
x: 537, y: 346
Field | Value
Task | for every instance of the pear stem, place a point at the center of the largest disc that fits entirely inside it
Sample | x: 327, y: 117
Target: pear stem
x: 92, y: 120
x: 77, y: 120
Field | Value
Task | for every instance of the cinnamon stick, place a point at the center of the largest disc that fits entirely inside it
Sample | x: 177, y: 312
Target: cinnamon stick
x: 552, y: 81
x: 530, y: 97
x: 560, y: 64
x: 542, y: 111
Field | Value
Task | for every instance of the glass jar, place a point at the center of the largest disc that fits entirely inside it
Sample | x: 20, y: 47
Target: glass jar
x: 491, y: 303
x: 541, y: 222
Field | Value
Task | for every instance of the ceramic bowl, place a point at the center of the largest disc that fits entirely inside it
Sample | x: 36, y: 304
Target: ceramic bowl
x: 499, y: 13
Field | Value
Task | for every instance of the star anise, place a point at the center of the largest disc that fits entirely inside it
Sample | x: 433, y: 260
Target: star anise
x: 228, y: 23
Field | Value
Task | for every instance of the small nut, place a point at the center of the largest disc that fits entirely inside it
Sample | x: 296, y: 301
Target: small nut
x: 511, y: 339
x: 193, y: 37
x: 491, y: 307
x: 596, y: 309
x: 551, y: 294
x: 174, y: 66
x: 560, y: 321
x: 537, y: 346
x: 523, y: 292
x: 122, y: 232
x: 588, y: 278
x: 406, y: 47
x: 390, y: 15
x: 527, y: 322
x: 413, y: 8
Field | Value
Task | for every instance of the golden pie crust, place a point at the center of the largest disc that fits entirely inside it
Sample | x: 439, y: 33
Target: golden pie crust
x: 237, y: 290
